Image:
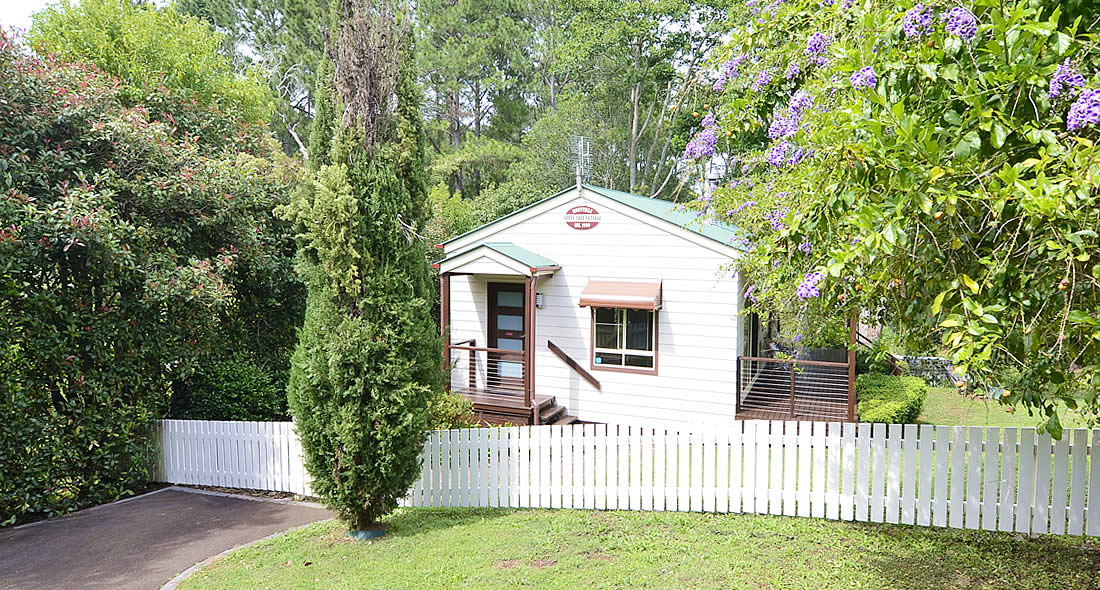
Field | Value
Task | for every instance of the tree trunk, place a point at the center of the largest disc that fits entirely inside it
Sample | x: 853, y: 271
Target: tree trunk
x: 635, y: 106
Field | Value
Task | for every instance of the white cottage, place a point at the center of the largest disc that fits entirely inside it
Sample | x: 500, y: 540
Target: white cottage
x: 603, y: 306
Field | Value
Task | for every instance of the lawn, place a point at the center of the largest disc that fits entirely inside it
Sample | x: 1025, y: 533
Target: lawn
x: 944, y: 406
x: 490, y: 548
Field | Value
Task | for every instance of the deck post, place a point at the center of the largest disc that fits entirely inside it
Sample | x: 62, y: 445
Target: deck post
x: 445, y: 322
x: 529, y: 348
x: 737, y: 402
x: 853, y: 328
x: 792, y: 390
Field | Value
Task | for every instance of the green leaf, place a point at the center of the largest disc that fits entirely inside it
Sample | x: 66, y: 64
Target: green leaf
x: 968, y: 145
x: 928, y: 70
x: 998, y: 135
x: 938, y: 303
x: 969, y: 282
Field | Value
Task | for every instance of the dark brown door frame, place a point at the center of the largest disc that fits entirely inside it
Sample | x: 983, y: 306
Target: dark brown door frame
x: 495, y: 310
x: 494, y: 333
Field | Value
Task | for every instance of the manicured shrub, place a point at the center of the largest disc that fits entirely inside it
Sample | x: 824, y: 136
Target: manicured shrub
x: 229, y: 389
x: 890, y: 399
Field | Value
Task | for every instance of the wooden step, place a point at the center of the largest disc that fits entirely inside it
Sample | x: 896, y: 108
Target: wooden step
x: 565, y: 420
x: 550, y: 414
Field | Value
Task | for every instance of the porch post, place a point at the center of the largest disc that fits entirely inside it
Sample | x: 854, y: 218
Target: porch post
x: 445, y: 322
x: 853, y: 327
x: 529, y: 348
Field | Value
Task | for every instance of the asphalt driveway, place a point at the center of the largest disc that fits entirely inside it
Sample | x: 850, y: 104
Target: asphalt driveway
x: 140, y: 543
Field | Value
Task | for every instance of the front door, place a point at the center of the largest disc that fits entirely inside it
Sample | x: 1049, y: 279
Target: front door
x: 506, y: 332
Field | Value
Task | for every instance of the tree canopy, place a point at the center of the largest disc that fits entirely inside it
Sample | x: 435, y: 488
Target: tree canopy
x: 931, y: 164
x: 151, y: 50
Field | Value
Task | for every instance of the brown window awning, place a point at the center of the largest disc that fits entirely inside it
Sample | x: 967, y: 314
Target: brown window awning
x: 622, y: 294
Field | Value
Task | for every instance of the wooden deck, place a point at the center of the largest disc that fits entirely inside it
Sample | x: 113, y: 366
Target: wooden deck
x: 509, y: 407
x: 779, y: 389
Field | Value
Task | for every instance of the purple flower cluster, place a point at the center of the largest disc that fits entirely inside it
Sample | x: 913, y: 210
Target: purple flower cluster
x: 762, y: 80
x: 961, y: 23
x: 818, y: 43
x: 729, y: 70
x: 741, y: 207
x: 809, y: 289
x: 1066, y: 76
x: 786, y: 126
x: 783, y: 126
x: 805, y: 247
x: 1084, y: 112
x: 785, y: 153
x: 778, y: 217
x: 801, y: 101
x: 793, y: 70
x: 917, y: 22
x: 708, y: 121
x: 864, y: 78
x: 702, y: 146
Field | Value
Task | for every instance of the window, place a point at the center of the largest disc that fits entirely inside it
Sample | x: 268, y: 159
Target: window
x: 624, y: 339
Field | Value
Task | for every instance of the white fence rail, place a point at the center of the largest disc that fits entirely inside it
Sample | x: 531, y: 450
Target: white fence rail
x: 252, y: 455
x: 1007, y: 479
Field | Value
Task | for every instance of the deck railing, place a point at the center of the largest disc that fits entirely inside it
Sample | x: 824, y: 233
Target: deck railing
x: 792, y: 389
x: 492, y: 370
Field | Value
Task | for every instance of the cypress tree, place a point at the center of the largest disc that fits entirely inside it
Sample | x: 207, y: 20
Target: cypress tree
x: 368, y: 357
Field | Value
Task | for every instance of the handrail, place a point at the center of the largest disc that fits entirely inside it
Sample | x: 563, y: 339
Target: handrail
x: 765, y: 359
x: 574, y: 365
x: 500, y: 351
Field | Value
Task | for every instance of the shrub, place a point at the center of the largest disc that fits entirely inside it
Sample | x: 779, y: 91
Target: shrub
x: 450, y: 410
x: 123, y: 247
x: 229, y: 389
x: 890, y: 399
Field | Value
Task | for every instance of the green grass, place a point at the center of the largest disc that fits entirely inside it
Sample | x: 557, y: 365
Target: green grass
x: 944, y: 406
x: 486, y: 548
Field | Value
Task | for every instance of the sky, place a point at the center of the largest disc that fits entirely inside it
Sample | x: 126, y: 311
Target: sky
x: 17, y: 13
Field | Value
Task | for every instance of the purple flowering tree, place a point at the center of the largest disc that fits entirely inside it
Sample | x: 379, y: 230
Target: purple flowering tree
x: 933, y: 164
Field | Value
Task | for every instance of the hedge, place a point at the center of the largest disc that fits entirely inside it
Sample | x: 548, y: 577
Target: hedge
x: 890, y: 399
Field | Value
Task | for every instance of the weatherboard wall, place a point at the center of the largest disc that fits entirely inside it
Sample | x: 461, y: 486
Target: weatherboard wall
x: 698, y: 338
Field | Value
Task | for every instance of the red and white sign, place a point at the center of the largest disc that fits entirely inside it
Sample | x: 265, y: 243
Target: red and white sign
x: 582, y: 217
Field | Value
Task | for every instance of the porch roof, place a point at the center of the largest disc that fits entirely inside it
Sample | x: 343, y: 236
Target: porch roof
x: 497, y: 258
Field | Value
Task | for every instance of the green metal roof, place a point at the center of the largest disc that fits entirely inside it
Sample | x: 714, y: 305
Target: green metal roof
x: 520, y: 255
x: 667, y: 210
x: 659, y: 208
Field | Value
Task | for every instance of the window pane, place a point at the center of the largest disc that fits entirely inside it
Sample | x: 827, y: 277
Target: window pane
x: 639, y: 361
x: 510, y: 322
x: 607, y: 336
x: 605, y: 315
x: 639, y: 329
x: 510, y: 343
x: 510, y: 369
x: 510, y: 298
x: 603, y: 358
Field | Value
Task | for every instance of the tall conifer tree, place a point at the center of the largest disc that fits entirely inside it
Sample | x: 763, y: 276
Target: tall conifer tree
x: 368, y: 359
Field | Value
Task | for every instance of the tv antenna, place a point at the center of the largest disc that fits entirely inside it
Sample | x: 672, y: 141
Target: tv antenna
x: 582, y: 159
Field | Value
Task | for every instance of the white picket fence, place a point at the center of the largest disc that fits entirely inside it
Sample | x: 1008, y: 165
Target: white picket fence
x: 250, y: 455
x: 960, y: 477
x: 1007, y: 479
